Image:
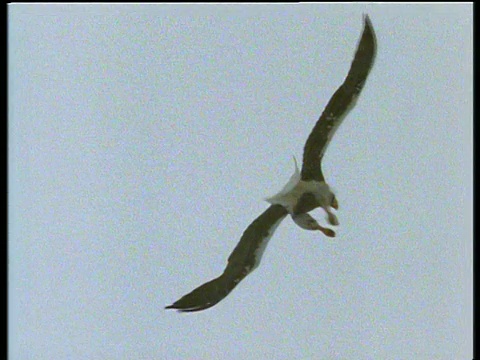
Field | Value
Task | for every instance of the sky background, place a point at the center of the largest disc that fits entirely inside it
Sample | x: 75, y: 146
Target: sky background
x: 143, y: 140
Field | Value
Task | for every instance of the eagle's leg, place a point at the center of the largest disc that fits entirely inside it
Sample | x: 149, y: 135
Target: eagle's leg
x: 326, y: 231
x: 332, y: 218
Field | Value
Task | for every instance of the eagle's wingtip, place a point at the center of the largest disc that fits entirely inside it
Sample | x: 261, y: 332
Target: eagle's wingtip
x: 173, y: 307
x: 368, y: 29
x: 367, y: 21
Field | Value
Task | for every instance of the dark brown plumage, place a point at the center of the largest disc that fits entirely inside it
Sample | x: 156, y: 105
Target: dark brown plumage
x: 308, y: 190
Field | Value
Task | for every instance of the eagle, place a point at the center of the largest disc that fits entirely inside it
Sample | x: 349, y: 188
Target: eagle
x: 306, y: 190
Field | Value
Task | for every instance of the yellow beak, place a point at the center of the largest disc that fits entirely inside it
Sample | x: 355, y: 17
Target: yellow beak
x: 335, y: 203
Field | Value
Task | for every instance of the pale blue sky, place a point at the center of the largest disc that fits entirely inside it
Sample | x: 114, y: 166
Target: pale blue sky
x: 144, y: 138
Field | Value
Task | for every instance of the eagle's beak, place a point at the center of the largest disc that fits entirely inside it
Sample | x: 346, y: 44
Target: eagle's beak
x: 335, y: 203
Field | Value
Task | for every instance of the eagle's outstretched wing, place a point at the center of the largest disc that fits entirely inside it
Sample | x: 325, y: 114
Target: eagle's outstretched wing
x: 242, y: 261
x: 339, y: 105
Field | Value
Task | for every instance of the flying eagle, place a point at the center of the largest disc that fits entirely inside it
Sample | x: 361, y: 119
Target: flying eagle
x: 305, y: 191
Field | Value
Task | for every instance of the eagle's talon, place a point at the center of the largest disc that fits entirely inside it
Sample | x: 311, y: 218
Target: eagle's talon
x: 327, y: 232
x: 332, y: 219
